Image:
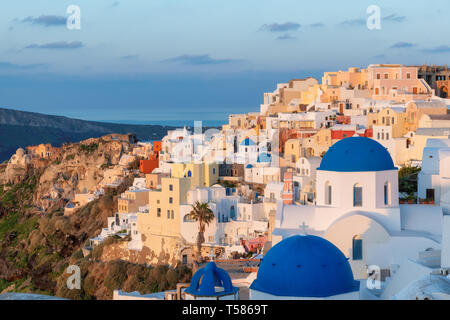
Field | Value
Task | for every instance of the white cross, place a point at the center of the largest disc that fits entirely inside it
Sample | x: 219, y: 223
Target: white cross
x: 304, y: 226
x: 211, y: 255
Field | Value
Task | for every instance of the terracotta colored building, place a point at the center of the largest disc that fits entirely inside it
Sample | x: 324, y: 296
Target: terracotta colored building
x: 147, y: 166
x: 344, y: 131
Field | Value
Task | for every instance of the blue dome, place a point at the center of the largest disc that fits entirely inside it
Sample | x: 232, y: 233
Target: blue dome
x: 305, y: 266
x: 248, y: 142
x: 264, y: 157
x: 357, y: 154
x: 205, y: 281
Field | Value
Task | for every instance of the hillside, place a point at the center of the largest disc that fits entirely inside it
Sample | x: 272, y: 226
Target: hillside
x: 38, y: 242
x: 21, y: 129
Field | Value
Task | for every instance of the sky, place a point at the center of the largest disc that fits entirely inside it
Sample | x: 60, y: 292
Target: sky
x: 155, y: 60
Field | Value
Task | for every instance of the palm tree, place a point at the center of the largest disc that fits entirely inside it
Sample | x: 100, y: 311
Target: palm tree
x: 202, y: 213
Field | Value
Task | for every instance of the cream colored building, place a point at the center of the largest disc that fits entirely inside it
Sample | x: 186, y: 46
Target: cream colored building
x: 201, y: 174
x: 131, y: 200
x: 293, y: 150
x: 391, y: 116
x: 435, y: 121
x: 416, y: 109
x: 160, y: 227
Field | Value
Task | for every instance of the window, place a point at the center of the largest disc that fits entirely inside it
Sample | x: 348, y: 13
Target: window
x: 232, y: 212
x: 172, y: 214
x: 357, y: 248
x: 378, y: 76
x: 387, y: 194
x: 328, y: 193
x: 386, y: 76
x: 357, y: 195
x: 214, y: 171
x: 170, y: 200
x: 158, y: 212
x: 408, y: 76
x: 189, y: 174
x: 168, y: 214
x: 170, y: 187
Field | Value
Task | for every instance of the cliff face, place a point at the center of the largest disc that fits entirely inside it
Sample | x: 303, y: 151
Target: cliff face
x: 38, y: 242
x: 78, y: 168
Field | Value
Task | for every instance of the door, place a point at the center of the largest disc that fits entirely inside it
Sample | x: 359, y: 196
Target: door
x: 430, y: 194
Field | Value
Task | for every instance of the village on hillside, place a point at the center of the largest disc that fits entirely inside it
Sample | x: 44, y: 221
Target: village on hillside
x: 356, y: 165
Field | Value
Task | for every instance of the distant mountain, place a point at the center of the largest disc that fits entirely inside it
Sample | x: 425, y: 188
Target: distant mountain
x: 21, y: 129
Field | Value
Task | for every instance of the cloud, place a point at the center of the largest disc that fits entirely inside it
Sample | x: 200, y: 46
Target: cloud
x: 394, y: 18
x: 353, y: 22
x: 440, y: 49
x: 362, y: 22
x: 200, y: 59
x: 114, y: 4
x: 316, y: 25
x: 57, y: 45
x: 403, y: 45
x: 286, y: 37
x: 46, y: 20
x: 280, y: 27
x: 12, y: 66
x: 130, y: 57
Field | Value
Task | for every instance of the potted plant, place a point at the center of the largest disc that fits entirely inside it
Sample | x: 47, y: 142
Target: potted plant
x: 411, y: 199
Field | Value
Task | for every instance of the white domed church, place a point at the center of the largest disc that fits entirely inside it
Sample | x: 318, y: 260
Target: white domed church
x: 357, y: 210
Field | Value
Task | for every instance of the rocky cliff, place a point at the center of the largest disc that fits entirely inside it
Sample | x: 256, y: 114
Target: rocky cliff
x: 38, y: 242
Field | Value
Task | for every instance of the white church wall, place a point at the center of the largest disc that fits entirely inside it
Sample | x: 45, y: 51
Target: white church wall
x: 342, y: 196
x: 424, y: 218
x: 396, y: 249
x: 341, y: 234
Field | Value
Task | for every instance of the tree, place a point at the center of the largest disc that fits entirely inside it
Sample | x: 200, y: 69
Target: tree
x: 201, y: 213
x: 407, y: 180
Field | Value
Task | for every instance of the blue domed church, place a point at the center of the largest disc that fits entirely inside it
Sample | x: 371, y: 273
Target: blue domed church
x: 211, y: 283
x: 304, y: 267
x: 357, y: 210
